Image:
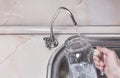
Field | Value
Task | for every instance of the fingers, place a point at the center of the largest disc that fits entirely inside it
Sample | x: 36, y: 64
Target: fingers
x: 97, y: 53
x: 99, y: 48
x: 96, y: 59
x: 99, y: 67
x: 102, y: 60
x: 105, y: 59
x: 104, y: 50
x: 98, y: 63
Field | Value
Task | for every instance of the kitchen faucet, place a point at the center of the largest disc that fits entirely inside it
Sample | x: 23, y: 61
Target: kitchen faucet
x: 51, y: 42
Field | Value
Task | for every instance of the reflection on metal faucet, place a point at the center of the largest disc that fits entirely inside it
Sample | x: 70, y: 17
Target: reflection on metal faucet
x: 51, y: 42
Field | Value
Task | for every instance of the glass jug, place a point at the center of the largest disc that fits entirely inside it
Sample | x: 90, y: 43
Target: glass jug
x: 79, y: 54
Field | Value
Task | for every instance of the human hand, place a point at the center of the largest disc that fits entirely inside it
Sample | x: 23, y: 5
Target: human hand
x: 107, y: 60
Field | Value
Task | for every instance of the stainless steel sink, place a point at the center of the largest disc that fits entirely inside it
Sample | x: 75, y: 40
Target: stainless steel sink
x: 58, y: 65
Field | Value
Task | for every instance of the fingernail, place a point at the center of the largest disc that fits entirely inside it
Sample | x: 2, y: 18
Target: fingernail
x: 96, y: 52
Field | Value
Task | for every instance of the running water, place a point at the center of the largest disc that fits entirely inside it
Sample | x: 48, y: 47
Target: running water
x: 80, y: 37
x: 82, y: 70
x: 80, y: 64
x: 77, y: 31
x: 79, y: 54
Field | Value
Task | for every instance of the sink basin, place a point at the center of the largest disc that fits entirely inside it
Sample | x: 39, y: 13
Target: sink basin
x: 58, y: 65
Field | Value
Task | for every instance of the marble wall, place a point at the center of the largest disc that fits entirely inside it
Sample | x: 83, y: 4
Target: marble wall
x: 25, y: 56
x: 40, y: 12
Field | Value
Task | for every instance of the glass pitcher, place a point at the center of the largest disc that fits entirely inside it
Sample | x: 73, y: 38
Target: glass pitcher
x: 79, y: 54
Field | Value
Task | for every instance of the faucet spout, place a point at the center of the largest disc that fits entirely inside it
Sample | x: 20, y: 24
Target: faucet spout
x: 51, y: 42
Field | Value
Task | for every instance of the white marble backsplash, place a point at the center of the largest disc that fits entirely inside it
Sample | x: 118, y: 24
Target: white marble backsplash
x: 25, y: 56
x: 40, y: 12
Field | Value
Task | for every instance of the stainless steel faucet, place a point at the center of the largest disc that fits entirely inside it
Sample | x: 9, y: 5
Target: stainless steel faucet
x: 51, y: 42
